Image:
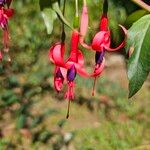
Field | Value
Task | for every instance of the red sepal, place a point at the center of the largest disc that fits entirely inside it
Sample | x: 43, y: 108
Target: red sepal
x: 104, y: 23
x: 58, y: 80
x: 122, y: 43
x: 101, y: 38
x: 9, y: 12
x: 56, y: 54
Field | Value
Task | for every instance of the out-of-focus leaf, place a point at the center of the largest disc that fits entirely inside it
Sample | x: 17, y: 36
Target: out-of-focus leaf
x: 9, y: 98
x: 139, y: 62
x: 60, y: 15
x: 45, y: 135
x: 21, y: 121
x: 13, y: 82
x: 134, y: 17
x: 36, y: 121
x: 61, y: 123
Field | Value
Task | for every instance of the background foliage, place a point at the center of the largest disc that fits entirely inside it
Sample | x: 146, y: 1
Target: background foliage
x: 32, y: 114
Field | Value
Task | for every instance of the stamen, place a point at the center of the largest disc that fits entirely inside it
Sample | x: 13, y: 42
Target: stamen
x: 68, y: 110
x: 93, y: 91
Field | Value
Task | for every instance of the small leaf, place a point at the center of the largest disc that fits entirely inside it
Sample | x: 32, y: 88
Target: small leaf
x: 134, y: 17
x: 139, y: 62
x: 49, y: 10
x: 60, y: 15
x: 49, y: 17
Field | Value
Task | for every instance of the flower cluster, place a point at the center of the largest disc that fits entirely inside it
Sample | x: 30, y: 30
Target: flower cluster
x: 66, y: 70
x: 5, y: 14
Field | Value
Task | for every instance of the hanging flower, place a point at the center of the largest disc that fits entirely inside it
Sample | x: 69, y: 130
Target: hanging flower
x: 56, y: 53
x: 5, y: 14
x: 101, y: 41
x: 67, y: 70
x: 73, y: 65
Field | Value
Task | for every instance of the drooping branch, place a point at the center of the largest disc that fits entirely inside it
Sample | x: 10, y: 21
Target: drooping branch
x: 142, y: 4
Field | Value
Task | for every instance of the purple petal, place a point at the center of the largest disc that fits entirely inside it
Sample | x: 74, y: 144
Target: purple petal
x: 99, y: 57
x: 71, y: 73
x: 59, y: 74
x: 2, y: 2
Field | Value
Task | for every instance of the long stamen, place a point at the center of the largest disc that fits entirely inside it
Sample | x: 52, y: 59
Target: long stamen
x: 6, y: 39
x: 94, y: 85
x: 68, y: 110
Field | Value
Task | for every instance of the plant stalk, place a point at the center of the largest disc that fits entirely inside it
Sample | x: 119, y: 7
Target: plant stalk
x: 142, y: 4
x: 77, y: 8
x: 63, y: 35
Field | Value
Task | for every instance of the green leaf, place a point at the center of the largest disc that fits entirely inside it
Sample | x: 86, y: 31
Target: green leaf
x: 49, y: 17
x: 139, y: 62
x: 49, y: 10
x: 134, y: 17
x: 60, y: 15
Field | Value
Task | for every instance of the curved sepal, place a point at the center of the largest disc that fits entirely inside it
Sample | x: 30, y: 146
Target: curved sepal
x: 56, y: 53
x: 122, y: 43
x: 101, y: 38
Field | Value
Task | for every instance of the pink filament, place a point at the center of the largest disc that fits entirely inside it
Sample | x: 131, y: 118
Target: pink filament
x: 6, y: 38
x: 1, y: 56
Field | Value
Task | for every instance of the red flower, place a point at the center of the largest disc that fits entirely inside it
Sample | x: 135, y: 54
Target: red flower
x: 101, y: 41
x: 5, y: 14
x: 73, y: 65
x: 67, y: 70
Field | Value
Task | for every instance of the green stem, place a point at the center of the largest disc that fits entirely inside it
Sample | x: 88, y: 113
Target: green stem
x: 77, y: 8
x: 76, y: 19
x: 63, y: 35
x: 142, y: 4
x: 84, y: 2
x: 64, y: 7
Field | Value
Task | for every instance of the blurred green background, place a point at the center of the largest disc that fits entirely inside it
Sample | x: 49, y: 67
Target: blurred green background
x: 32, y: 114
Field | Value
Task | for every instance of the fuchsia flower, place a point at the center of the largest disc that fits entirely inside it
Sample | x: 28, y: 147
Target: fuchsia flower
x: 5, y: 14
x: 74, y: 64
x: 101, y: 41
x: 67, y: 70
